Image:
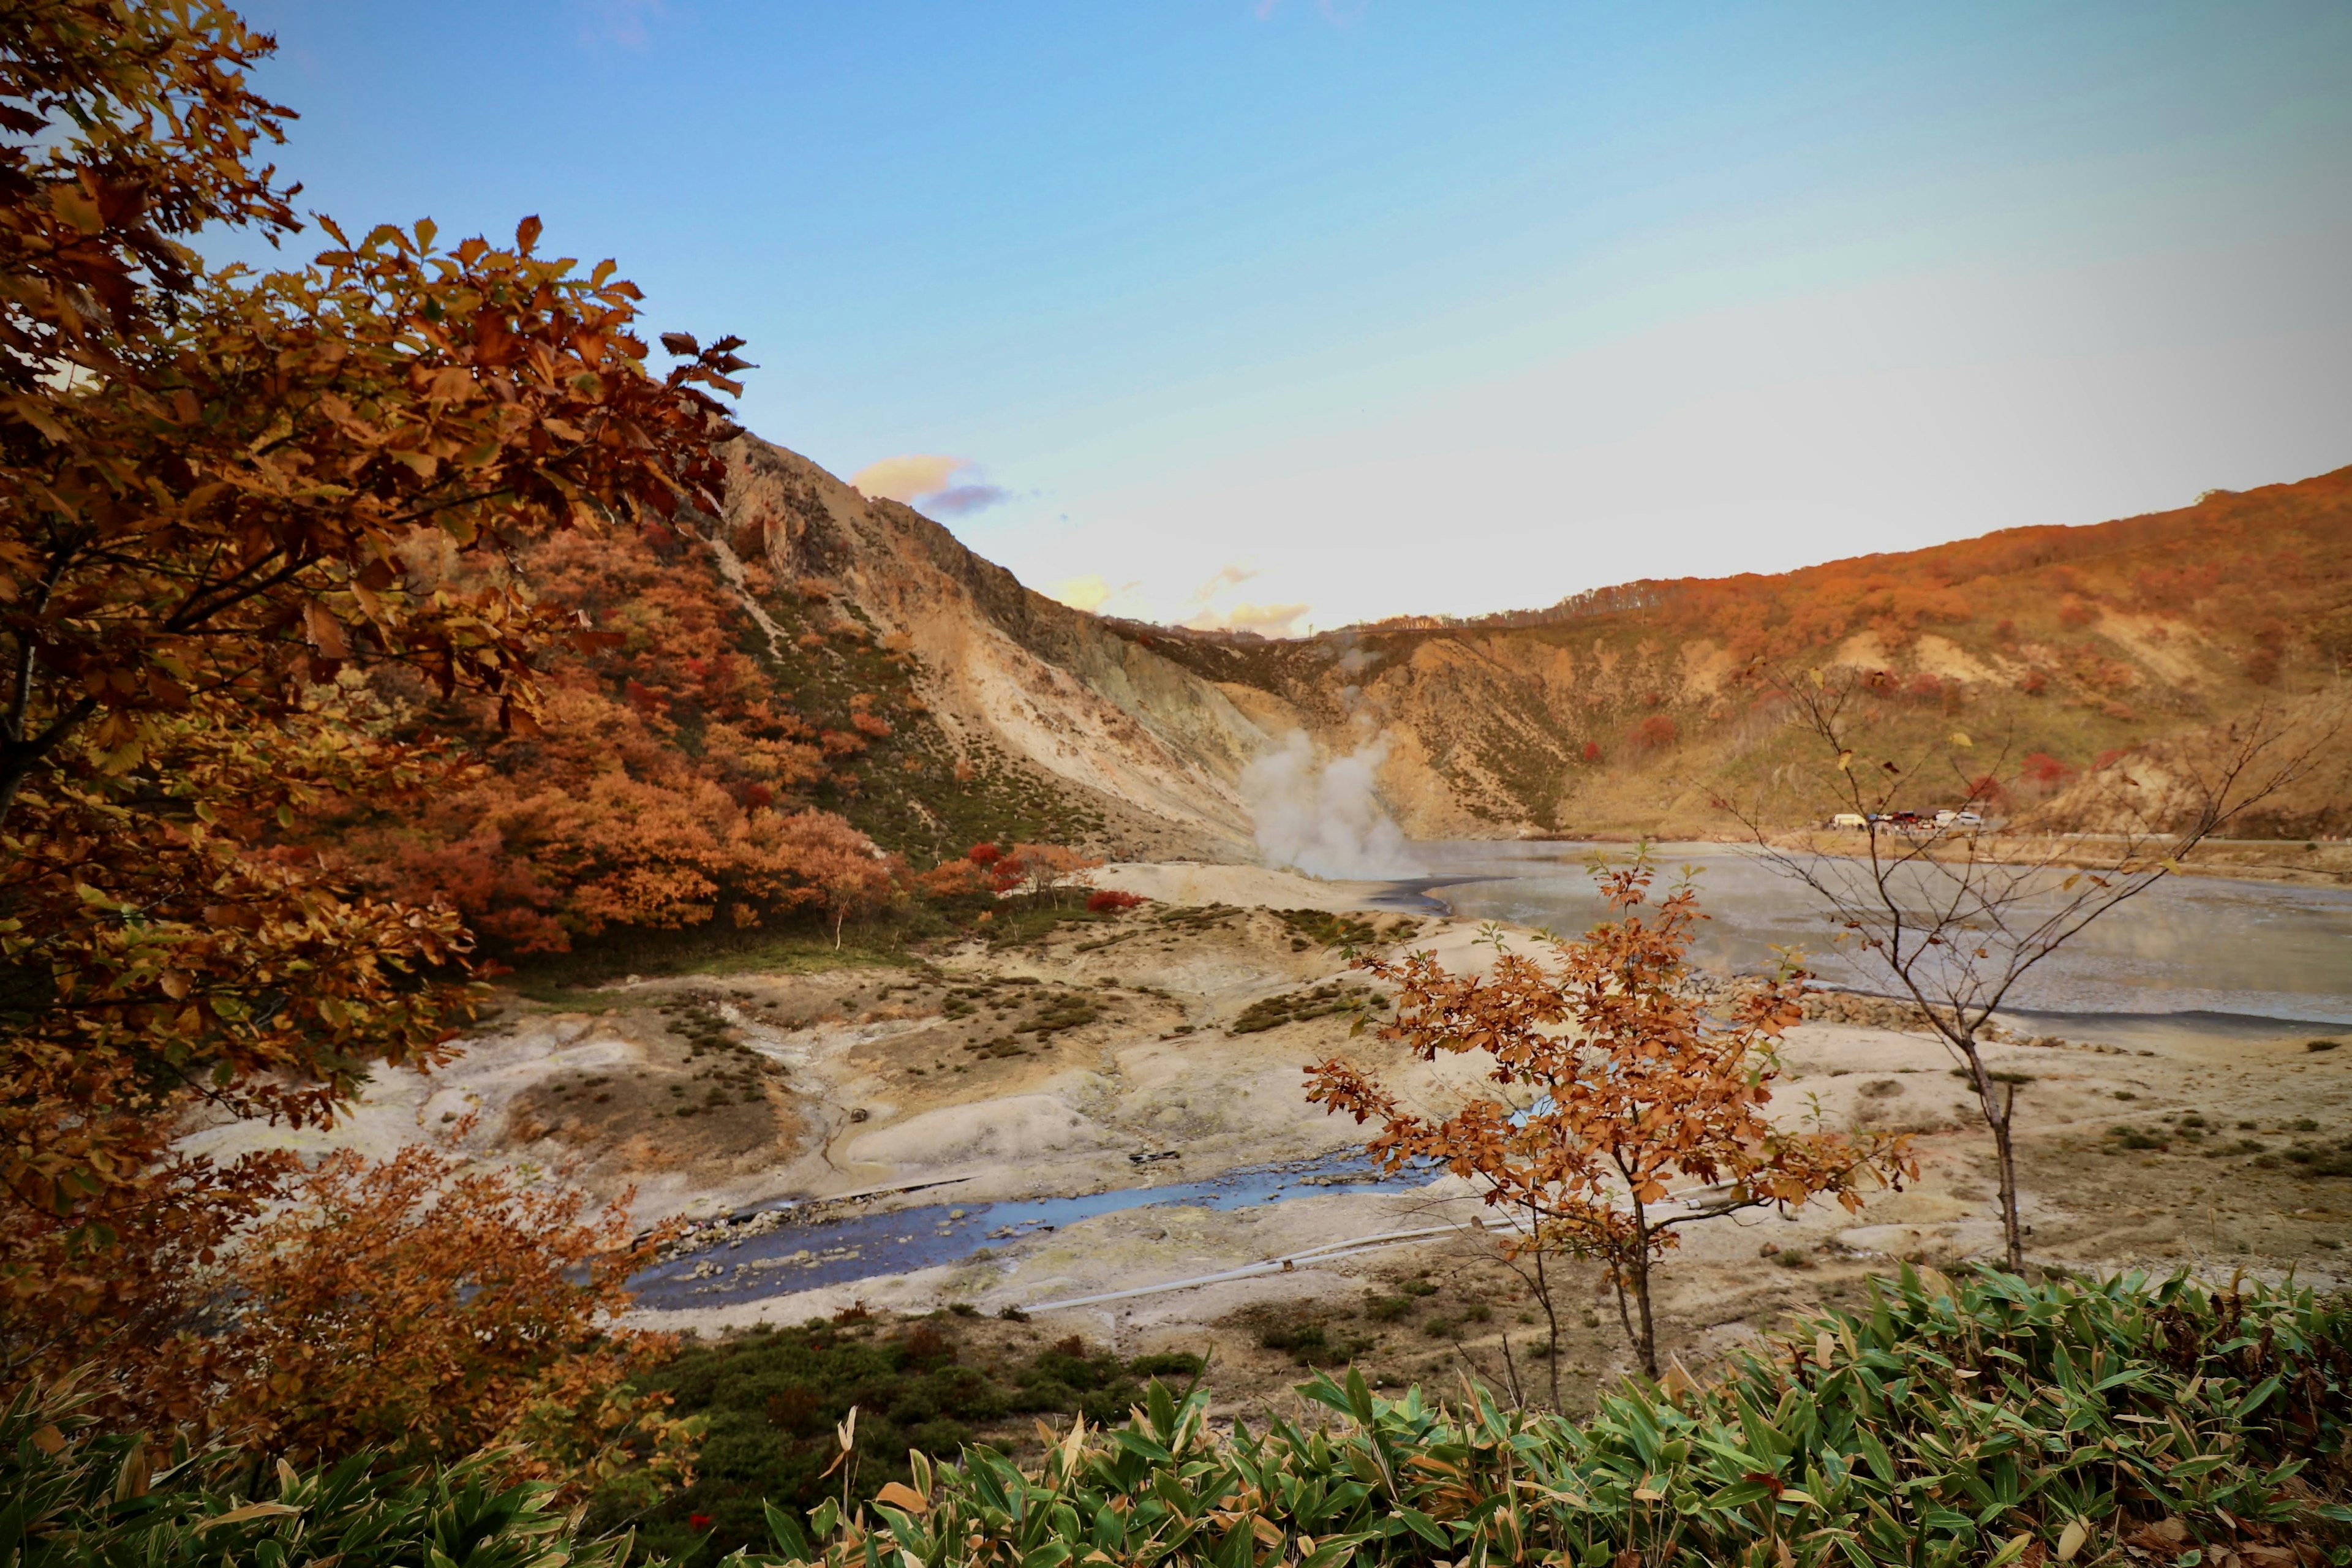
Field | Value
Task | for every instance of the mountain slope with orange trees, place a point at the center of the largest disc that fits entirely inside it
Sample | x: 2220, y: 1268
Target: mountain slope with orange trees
x: 1623, y: 710
x: 762, y: 703
x: 733, y: 736
x: 1617, y: 710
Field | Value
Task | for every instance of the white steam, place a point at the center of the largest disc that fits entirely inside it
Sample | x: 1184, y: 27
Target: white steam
x: 1324, y: 817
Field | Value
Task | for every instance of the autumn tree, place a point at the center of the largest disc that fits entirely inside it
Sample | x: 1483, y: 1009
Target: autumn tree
x: 422, y: 1309
x: 849, y: 875
x: 665, y: 785
x: 224, y: 495
x: 418, y: 1306
x: 1953, y: 919
x: 1625, y: 1106
x: 1046, y: 869
x: 1655, y: 733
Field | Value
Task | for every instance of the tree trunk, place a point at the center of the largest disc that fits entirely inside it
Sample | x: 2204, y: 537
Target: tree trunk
x: 1551, y: 1322
x: 2012, y: 1234
x: 2002, y: 1120
x: 1647, y: 1345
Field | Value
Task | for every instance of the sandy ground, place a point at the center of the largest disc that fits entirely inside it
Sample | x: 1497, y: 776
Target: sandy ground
x: 1192, y: 882
x: 1044, y: 1070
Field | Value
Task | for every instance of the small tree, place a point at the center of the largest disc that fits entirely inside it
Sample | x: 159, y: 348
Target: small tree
x: 1616, y: 1082
x: 1048, y: 868
x: 849, y: 875
x: 1953, y: 918
x: 418, y: 1306
x: 424, y: 1309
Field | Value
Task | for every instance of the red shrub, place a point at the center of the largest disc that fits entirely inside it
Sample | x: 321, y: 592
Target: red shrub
x: 2043, y: 770
x: 1110, y: 900
x: 1655, y: 733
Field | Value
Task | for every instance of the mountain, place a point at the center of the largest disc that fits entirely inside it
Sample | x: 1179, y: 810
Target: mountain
x: 1613, y: 712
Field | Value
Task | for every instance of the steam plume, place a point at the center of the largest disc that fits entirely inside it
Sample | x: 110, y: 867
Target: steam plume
x: 1322, y: 817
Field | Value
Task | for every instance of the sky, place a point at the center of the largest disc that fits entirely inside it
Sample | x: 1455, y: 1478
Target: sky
x: 1284, y: 314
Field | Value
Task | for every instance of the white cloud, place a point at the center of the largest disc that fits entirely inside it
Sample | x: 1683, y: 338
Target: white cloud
x: 903, y: 478
x: 1266, y: 620
x: 1097, y: 595
x: 932, y: 482
x: 1087, y: 592
x: 1225, y: 577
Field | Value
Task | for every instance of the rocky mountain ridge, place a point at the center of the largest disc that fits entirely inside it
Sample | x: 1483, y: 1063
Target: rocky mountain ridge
x: 1617, y: 711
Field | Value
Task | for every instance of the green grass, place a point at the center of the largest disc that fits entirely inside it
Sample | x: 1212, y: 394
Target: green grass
x: 1990, y: 1421
x: 1987, y: 1421
x: 570, y: 979
x: 773, y: 1401
x: 1296, y: 1006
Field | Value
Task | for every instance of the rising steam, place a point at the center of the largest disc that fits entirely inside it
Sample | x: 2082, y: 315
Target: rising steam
x: 1324, y: 817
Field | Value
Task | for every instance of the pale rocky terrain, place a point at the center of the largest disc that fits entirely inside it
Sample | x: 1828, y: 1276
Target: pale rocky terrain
x: 1483, y: 729
x: 911, y: 1084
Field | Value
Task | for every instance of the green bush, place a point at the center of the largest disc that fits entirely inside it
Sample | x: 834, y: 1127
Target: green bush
x: 774, y: 1400
x: 74, y: 1497
x: 1989, y: 1422
x: 1946, y: 1424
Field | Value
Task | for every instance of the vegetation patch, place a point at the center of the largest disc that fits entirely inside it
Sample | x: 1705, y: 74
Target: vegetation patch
x: 1068, y: 1010
x: 1318, y: 928
x: 1198, y: 917
x: 1298, y: 1006
x: 1980, y: 1420
x: 773, y: 1402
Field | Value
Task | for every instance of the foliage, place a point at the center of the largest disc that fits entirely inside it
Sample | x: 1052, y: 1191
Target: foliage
x: 772, y: 1401
x: 77, y: 1498
x: 1112, y: 901
x: 1616, y: 1082
x: 224, y: 493
x: 1324, y: 928
x: 670, y: 786
x: 2169, y: 1416
x: 1312, y: 1002
x: 418, y: 1308
x: 1654, y: 734
x: 1986, y: 1420
x: 1046, y: 870
x: 426, y: 1309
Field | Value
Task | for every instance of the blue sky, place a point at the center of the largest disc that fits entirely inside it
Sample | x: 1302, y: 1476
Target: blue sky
x: 1288, y: 314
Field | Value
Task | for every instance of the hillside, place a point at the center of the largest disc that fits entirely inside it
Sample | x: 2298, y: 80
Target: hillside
x: 1613, y: 712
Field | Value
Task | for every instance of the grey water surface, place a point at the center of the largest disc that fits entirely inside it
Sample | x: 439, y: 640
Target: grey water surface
x: 2191, y: 944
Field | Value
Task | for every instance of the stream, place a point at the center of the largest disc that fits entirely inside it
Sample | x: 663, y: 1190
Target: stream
x: 830, y: 1248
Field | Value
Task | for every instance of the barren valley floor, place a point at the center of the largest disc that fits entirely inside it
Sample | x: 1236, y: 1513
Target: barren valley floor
x: 992, y: 1074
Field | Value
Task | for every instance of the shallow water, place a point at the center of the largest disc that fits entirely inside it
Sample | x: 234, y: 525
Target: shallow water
x: 2189, y: 944
x: 840, y: 1250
